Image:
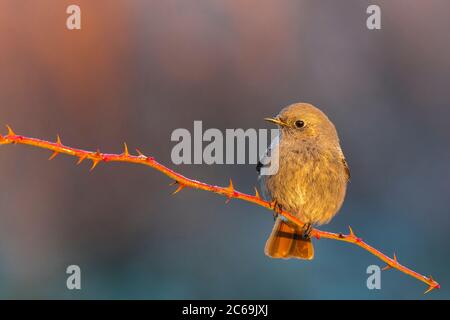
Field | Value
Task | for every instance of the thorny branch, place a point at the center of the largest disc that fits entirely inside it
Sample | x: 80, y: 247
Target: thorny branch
x: 229, y: 192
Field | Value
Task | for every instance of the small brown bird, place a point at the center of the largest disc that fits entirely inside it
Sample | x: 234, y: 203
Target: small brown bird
x: 311, y: 180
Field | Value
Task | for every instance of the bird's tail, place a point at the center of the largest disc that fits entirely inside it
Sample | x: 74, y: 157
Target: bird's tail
x: 286, y: 242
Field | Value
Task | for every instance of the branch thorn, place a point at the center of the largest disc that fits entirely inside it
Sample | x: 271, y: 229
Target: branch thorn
x: 10, y: 131
x: 230, y: 189
x: 54, y: 154
x: 431, y: 287
x: 180, y: 187
x: 58, y: 140
x: 257, y: 194
x: 387, y: 267
x: 99, y: 156
x: 81, y: 159
x: 125, y: 151
x: 94, y: 164
x: 140, y: 154
x: 230, y: 186
x: 352, y: 234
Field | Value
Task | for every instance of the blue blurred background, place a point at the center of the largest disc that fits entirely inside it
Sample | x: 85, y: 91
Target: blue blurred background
x: 139, y: 69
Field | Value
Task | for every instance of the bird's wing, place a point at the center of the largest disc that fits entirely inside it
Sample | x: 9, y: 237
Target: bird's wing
x: 346, y: 168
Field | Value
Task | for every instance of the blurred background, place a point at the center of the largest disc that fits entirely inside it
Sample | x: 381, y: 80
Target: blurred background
x: 139, y: 69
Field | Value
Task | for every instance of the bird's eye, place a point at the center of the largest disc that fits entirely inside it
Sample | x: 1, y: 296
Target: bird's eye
x: 299, y: 123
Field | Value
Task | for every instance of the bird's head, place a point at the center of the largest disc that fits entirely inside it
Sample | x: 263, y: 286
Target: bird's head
x: 303, y: 120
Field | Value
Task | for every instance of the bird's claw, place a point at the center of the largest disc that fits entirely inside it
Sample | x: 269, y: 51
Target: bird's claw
x: 277, y: 208
x: 307, y: 229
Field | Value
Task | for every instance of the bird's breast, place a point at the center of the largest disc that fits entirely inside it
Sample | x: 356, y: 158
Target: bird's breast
x: 310, y: 182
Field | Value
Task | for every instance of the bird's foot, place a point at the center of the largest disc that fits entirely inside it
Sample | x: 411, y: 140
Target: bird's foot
x: 307, y: 229
x: 277, y: 208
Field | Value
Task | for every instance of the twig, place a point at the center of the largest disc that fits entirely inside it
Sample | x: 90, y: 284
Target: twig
x: 229, y: 192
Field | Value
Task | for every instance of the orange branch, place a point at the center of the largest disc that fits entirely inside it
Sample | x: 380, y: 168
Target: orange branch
x: 229, y: 192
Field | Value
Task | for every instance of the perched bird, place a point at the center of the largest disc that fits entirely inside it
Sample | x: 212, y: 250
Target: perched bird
x: 311, y: 179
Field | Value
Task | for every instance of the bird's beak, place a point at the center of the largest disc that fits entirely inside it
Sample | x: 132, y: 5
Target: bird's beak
x: 276, y: 121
